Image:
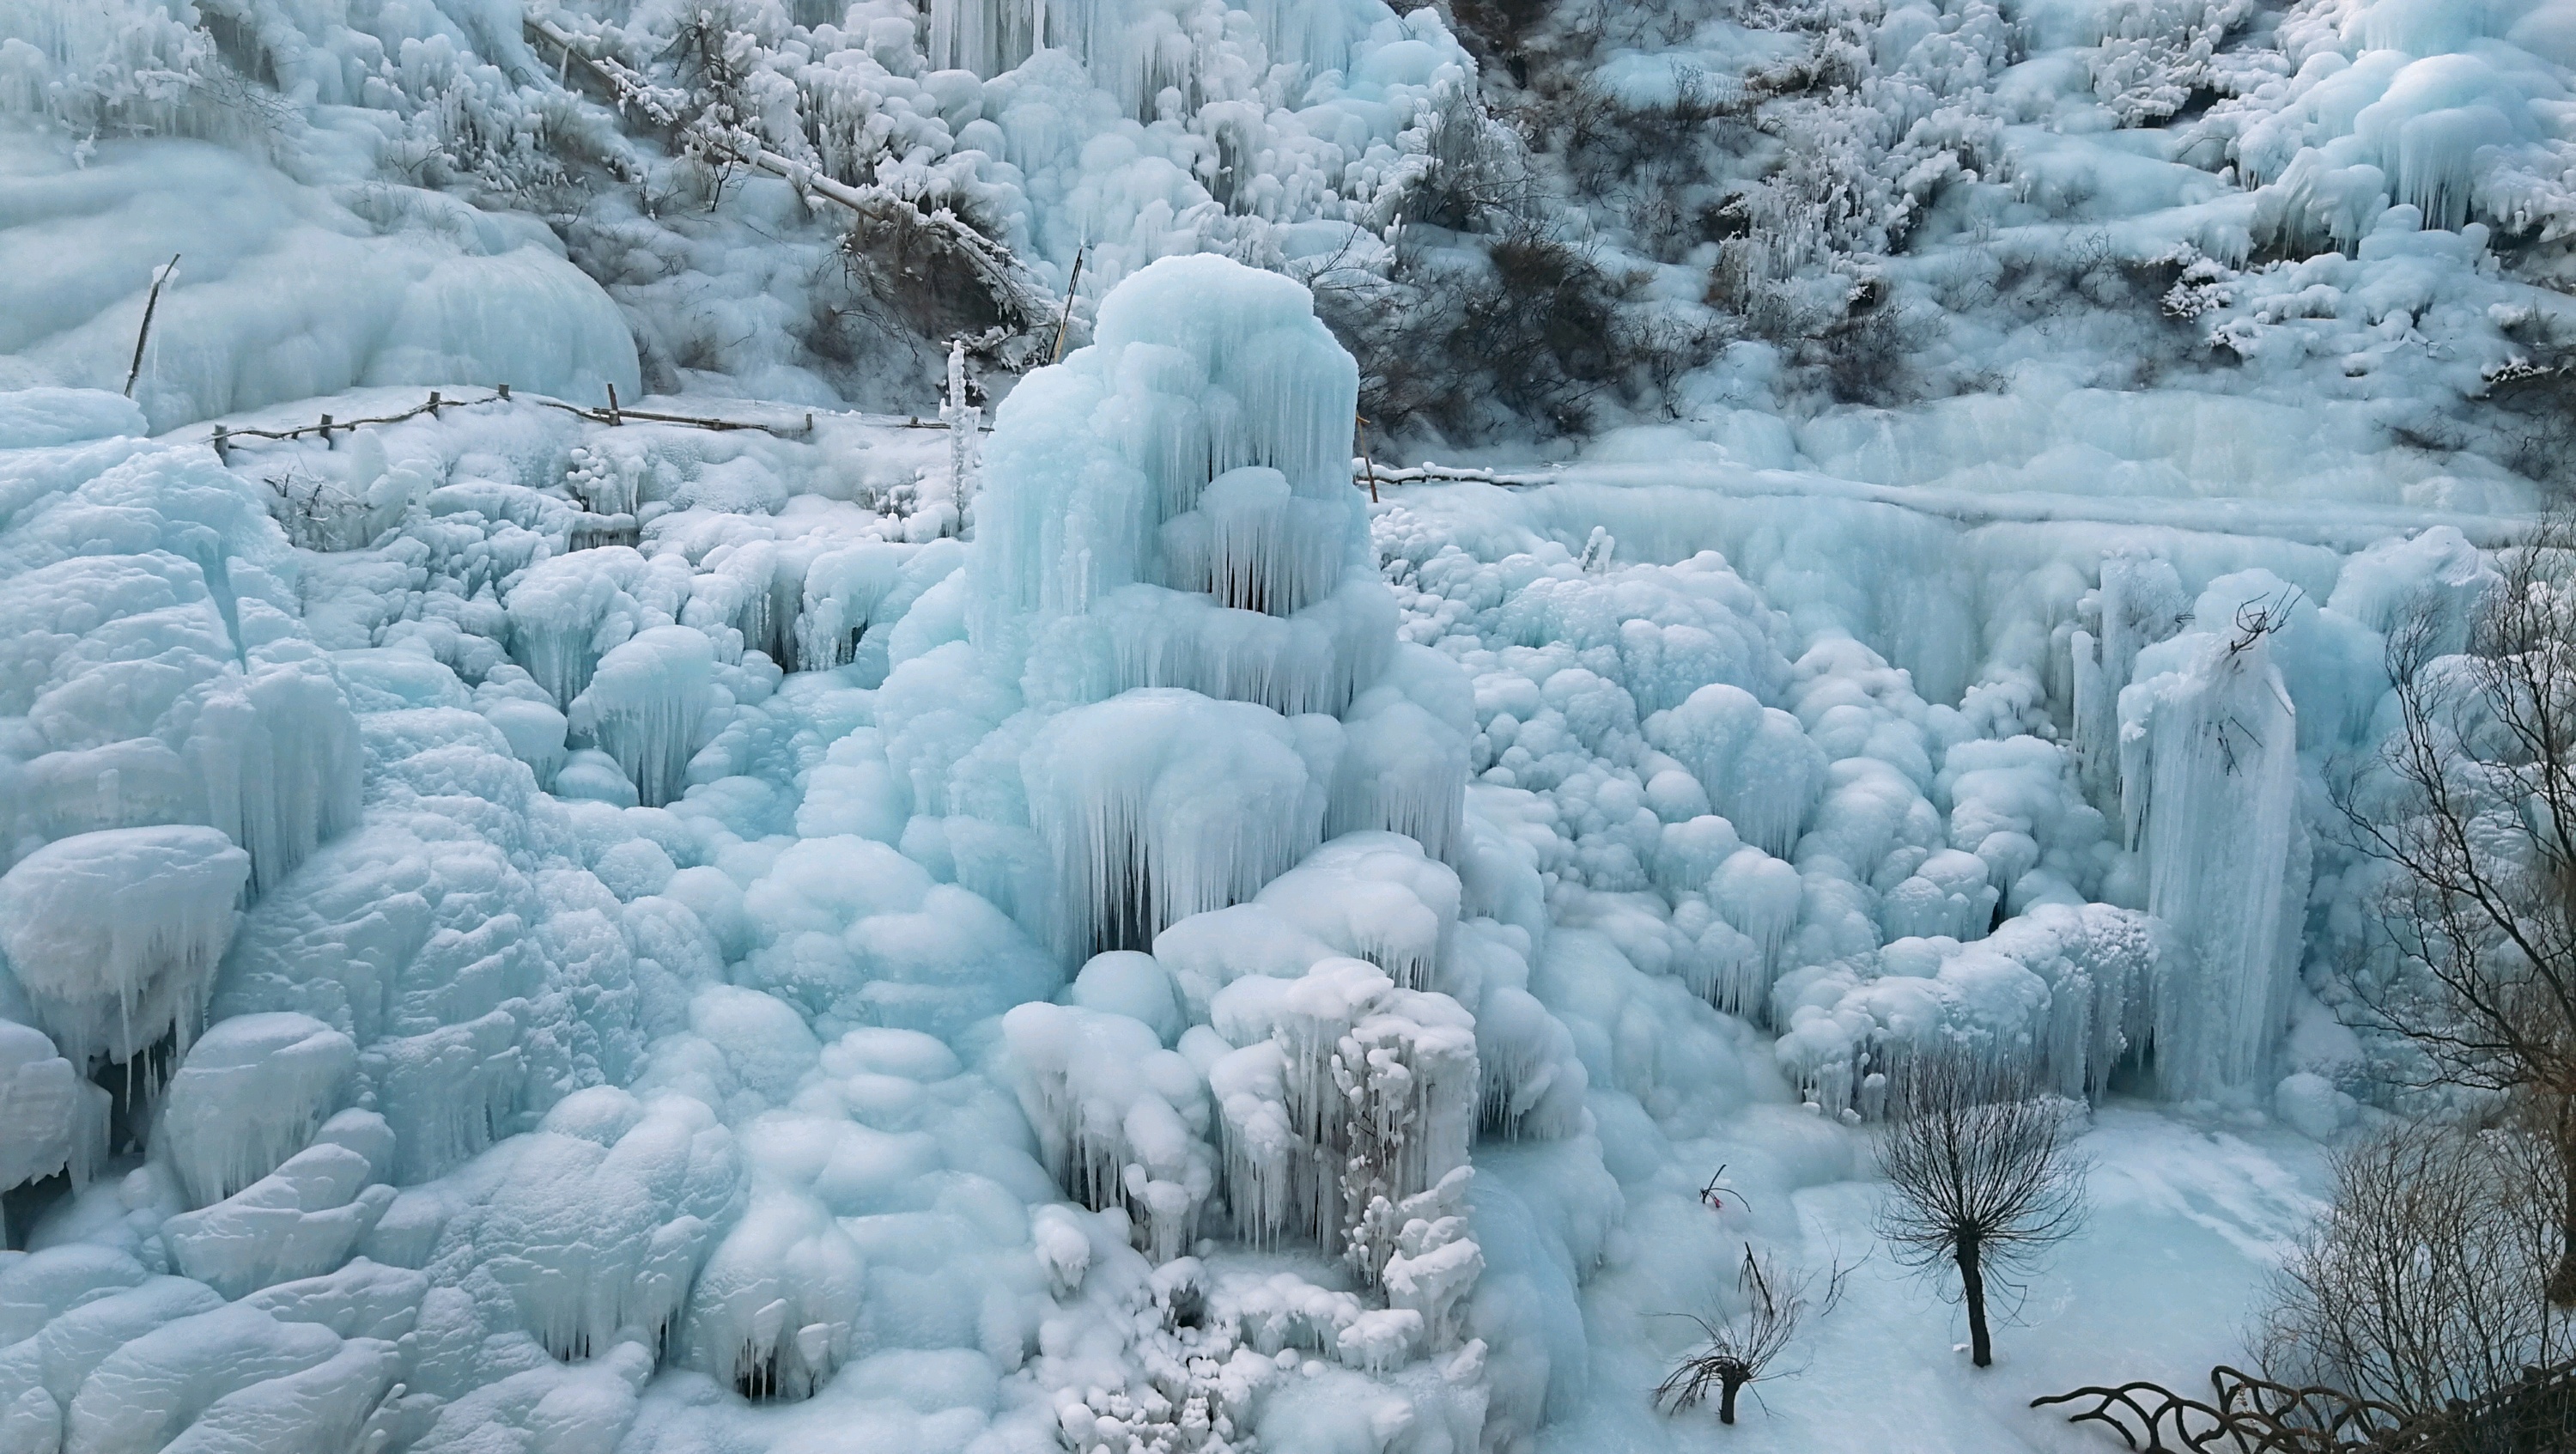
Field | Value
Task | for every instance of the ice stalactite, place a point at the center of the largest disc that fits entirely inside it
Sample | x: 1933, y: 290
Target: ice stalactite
x: 2070, y: 993
x: 115, y: 935
x: 645, y: 706
x: 2209, y: 790
x: 1255, y: 546
x: 1346, y: 1092
x: 1121, y: 1121
x: 568, y: 612
x: 1533, y: 1081
x: 1757, y: 897
x: 1403, y: 770
x: 1159, y: 804
x: 251, y: 1094
x: 2105, y: 967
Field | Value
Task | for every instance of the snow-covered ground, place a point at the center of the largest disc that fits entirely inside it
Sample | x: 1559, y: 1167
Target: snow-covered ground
x: 533, y: 927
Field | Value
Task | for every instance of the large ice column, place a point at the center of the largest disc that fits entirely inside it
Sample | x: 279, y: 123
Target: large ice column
x: 114, y: 935
x: 2209, y: 788
x: 1160, y: 804
x: 1172, y: 506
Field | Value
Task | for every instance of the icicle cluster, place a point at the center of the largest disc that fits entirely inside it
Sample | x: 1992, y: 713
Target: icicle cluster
x: 1159, y: 804
x: 1121, y: 1121
x: 644, y: 707
x: 251, y: 1094
x: 115, y: 935
x: 1346, y: 1092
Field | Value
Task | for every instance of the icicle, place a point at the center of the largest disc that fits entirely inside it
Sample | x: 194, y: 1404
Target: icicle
x: 965, y: 427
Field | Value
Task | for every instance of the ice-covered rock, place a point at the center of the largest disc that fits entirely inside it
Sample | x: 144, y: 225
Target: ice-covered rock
x: 110, y: 983
x: 250, y: 1094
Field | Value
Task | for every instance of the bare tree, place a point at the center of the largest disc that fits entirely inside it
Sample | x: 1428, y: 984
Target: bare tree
x: 1742, y: 1350
x: 1983, y: 1175
x: 2424, y: 1282
x: 2470, y: 808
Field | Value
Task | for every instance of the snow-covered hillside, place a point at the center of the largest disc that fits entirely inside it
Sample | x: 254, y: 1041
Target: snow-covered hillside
x: 528, y: 922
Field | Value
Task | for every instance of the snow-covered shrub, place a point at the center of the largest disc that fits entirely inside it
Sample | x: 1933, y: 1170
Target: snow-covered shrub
x: 2155, y: 54
x: 127, y: 68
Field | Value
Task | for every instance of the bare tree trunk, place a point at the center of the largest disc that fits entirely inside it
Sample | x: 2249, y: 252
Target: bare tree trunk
x: 1726, y: 1400
x: 2562, y: 1278
x: 1972, y: 1282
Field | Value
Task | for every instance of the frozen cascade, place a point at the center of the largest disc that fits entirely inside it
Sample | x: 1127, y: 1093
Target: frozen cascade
x: 1159, y: 804
x: 251, y: 1093
x: 2139, y: 603
x: 2209, y: 785
x: 1121, y: 1121
x: 645, y: 704
x: 1345, y: 1091
x: 111, y: 985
